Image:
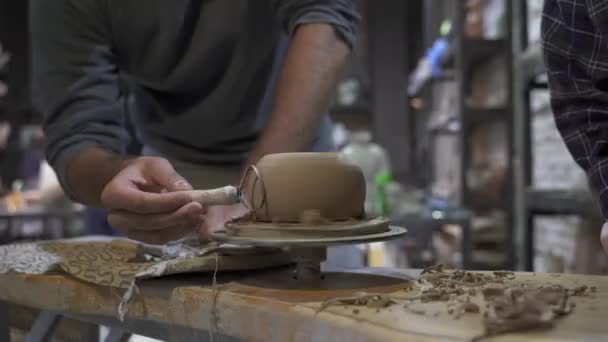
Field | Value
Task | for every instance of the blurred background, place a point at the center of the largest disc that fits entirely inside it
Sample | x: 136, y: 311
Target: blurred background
x: 445, y: 107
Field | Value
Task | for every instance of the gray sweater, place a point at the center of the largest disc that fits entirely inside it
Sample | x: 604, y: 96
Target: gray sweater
x: 196, y: 77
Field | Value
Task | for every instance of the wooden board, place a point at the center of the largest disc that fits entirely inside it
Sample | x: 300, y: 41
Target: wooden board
x: 270, y: 306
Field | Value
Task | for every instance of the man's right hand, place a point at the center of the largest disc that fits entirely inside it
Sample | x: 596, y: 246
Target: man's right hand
x: 142, y: 202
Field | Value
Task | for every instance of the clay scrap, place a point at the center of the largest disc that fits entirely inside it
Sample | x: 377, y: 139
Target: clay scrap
x: 502, y: 303
x: 374, y: 301
x: 521, y: 308
x: 508, y: 306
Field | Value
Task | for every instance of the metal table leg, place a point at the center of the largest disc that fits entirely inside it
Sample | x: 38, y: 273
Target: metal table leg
x: 44, y: 327
x: 467, y: 246
x: 5, y: 326
x: 89, y: 332
x: 117, y: 335
x: 529, y: 246
x: 308, y: 262
x: 11, y: 229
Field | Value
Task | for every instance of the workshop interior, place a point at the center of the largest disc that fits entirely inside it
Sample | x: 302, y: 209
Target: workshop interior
x: 449, y: 206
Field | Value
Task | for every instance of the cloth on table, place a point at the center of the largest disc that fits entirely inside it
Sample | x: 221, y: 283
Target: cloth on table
x: 120, y: 263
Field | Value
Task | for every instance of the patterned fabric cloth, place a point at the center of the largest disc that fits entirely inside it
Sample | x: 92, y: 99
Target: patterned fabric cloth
x: 121, y: 263
x: 575, y: 45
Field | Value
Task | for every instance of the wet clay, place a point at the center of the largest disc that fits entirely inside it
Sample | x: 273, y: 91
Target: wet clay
x: 309, y: 187
x: 311, y: 217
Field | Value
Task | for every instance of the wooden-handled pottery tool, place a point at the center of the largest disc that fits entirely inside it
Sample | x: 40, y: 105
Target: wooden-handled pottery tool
x: 287, y: 187
x: 302, y: 201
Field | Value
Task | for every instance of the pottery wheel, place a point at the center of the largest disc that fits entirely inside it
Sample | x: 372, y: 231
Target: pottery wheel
x: 307, y: 244
x: 299, y: 235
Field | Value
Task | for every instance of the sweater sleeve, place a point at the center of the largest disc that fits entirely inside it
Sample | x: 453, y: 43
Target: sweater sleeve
x: 341, y: 14
x: 75, y: 81
x: 577, y: 72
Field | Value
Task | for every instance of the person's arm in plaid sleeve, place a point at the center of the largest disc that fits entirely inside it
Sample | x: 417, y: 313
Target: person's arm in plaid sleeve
x: 576, y: 56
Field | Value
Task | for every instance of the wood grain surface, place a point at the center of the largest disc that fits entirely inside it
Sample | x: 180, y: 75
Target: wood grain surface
x: 271, y: 306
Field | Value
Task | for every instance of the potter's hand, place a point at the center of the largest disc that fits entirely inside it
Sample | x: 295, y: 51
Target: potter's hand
x: 604, y: 237
x: 142, y: 202
x: 217, y: 216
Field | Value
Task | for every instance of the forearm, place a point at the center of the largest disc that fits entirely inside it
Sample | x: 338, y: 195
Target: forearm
x: 90, y: 170
x: 312, y: 69
x: 76, y: 87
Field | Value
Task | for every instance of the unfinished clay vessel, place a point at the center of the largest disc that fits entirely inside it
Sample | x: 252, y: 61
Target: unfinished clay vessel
x: 297, y: 184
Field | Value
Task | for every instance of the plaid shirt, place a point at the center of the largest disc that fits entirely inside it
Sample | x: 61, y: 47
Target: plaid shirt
x: 575, y: 45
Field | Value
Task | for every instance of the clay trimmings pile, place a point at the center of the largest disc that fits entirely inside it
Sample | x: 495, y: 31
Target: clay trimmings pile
x: 503, y: 305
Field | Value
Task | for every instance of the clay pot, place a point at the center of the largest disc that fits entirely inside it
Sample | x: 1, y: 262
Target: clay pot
x: 298, y: 184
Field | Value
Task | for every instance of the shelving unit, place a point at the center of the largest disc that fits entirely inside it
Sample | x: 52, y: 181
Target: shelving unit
x: 469, y: 54
x: 561, y: 202
x: 529, y: 202
x: 479, y: 116
x: 384, y: 65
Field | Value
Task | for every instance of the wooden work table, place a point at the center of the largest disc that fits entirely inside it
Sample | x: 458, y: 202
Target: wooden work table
x: 267, y: 306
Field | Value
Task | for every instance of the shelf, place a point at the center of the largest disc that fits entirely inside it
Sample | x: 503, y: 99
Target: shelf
x: 354, y: 117
x: 484, y: 260
x: 479, y: 50
x: 477, y: 116
x: 531, y: 63
x: 489, y: 237
x: 346, y: 110
x: 562, y: 202
x: 444, y: 78
x: 457, y: 216
x: 471, y: 56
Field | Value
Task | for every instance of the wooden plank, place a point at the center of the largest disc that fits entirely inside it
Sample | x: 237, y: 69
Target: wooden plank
x: 270, y: 306
x: 245, y: 309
